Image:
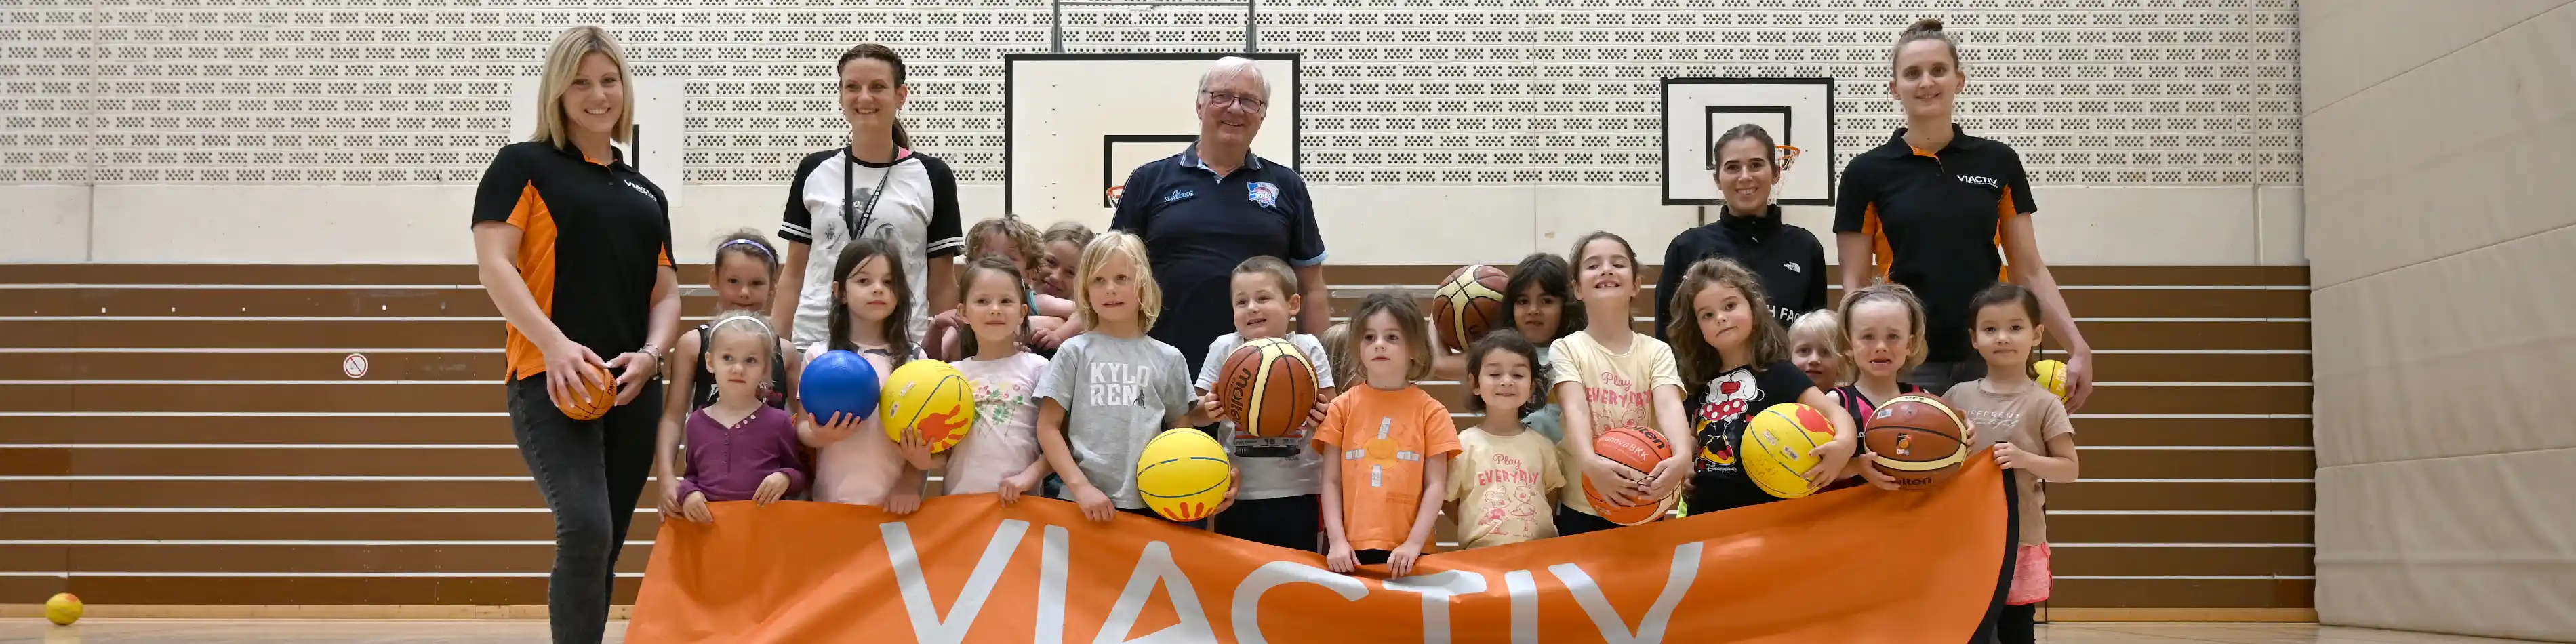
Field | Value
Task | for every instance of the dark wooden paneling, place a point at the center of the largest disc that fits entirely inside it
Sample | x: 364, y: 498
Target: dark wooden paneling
x: 283, y: 301
x: 186, y: 365
x: 49, y: 461
x: 2181, y: 528
x: 2196, y: 464
x: 375, y: 398
x: 298, y: 462
x: 2186, y: 561
x: 357, y: 333
x: 276, y: 494
x: 237, y: 274
x: 2184, y: 593
x: 2192, y: 431
x: 325, y: 591
x: 513, y: 558
x: 293, y: 526
x: 2200, y: 367
x: 2182, y: 495
x: 465, y: 430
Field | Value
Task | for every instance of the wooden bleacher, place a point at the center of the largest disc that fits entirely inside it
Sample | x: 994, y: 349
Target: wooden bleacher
x: 184, y: 435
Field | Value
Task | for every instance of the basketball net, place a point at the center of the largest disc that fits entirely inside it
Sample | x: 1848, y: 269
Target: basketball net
x: 1113, y: 195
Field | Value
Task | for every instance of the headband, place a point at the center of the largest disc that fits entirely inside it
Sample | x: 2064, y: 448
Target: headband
x: 753, y: 243
x: 754, y: 319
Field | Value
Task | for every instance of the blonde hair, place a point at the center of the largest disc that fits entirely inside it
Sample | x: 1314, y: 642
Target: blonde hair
x: 1149, y: 295
x: 1337, y: 348
x: 754, y: 322
x: 1825, y: 328
x: 1903, y: 297
x: 563, y: 62
x: 1024, y: 238
x: 1070, y: 231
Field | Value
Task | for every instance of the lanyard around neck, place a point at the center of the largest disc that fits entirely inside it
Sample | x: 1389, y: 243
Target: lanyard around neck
x: 856, y: 217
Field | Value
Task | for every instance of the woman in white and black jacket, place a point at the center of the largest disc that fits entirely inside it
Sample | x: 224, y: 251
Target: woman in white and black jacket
x: 878, y: 188
x: 1787, y: 259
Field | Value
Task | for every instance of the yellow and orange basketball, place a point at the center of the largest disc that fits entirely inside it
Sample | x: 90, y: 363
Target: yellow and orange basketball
x: 1468, y: 304
x: 1777, y: 444
x: 931, y: 396
x: 1267, y: 386
x: 602, y: 397
x: 1183, y: 474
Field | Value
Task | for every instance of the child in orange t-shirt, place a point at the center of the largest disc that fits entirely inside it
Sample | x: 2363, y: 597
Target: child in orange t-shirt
x: 1389, y: 442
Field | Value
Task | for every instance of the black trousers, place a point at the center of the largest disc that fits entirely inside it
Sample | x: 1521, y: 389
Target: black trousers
x: 591, y: 473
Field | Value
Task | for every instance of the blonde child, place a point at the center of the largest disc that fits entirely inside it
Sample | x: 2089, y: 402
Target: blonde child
x: 1278, y: 500
x: 1111, y: 388
x: 1505, y: 476
x: 1732, y: 353
x: 851, y: 464
x: 1060, y: 253
x: 761, y: 460
x: 1609, y: 375
x: 1818, y: 348
x: 2030, y: 432
x: 1001, y: 454
x: 1391, y: 443
x: 745, y: 268
x: 1337, y: 350
x: 1883, y: 329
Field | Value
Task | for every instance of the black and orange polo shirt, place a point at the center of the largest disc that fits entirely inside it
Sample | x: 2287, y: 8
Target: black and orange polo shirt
x: 1935, y: 221
x: 594, y: 238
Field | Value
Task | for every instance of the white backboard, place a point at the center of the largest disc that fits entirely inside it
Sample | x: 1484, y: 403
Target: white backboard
x: 1798, y: 112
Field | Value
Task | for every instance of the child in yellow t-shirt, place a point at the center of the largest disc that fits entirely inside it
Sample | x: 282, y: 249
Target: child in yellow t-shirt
x: 1506, y: 474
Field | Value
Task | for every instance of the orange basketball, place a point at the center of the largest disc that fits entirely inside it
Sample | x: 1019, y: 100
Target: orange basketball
x: 1267, y: 386
x: 601, y: 398
x: 1639, y: 450
x: 1468, y: 304
x: 1916, y: 438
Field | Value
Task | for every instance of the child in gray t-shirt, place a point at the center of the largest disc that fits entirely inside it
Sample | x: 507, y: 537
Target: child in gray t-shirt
x: 1111, y: 389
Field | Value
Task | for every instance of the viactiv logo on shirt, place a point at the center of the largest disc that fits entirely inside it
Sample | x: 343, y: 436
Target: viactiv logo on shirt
x: 1989, y: 182
x: 1178, y: 195
x: 1265, y: 193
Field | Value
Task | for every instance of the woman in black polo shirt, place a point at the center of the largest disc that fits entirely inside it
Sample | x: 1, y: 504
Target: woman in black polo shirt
x: 1929, y: 209
x: 574, y: 246
x: 1787, y: 259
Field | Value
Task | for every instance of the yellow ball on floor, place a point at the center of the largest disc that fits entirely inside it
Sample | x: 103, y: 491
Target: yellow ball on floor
x: 1778, y: 445
x: 931, y: 396
x: 63, y: 609
x: 2051, y: 374
x: 1183, y: 474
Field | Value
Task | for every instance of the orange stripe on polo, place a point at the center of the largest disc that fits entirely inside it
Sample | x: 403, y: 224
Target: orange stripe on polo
x: 537, y: 268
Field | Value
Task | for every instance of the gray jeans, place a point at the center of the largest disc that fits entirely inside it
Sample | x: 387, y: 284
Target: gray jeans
x: 1940, y: 376
x: 591, y: 473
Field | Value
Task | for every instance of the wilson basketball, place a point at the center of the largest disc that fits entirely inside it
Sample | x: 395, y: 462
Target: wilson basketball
x: 1916, y: 438
x: 932, y: 397
x: 1639, y: 450
x: 839, y: 382
x: 2051, y: 374
x: 1777, y: 446
x: 602, y: 397
x: 1468, y: 304
x: 1267, y: 386
x: 1183, y: 474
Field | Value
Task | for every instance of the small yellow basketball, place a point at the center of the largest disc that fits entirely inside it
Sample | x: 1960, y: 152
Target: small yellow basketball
x: 63, y: 609
x: 1183, y: 474
x: 931, y: 396
x: 2051, y: 374
x: 1777, y: 445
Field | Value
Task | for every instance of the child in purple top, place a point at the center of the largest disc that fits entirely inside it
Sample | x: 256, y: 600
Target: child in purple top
x: 739, y: 448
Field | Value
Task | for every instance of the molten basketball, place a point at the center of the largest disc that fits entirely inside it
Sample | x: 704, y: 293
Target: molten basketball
x: 1183, y: 474
x: 1917, y: 439
x: 932, y: 397
x: 1639, y: 450
x: 1777, y: 446
x: 2051, y: 374
x: 1267, y: 386
x: 63, y: 609
x: 839, y: 382
x: 1468, y: 304
x: 602, y: 397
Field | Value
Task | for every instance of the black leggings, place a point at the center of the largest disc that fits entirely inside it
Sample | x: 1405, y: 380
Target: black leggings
x: 591, y: 473
x: 2019, y: 625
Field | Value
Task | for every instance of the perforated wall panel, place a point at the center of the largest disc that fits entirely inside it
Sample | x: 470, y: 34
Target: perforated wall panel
x: 2104, y: 92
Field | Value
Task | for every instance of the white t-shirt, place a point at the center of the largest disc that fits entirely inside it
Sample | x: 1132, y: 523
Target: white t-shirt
x: 1280, y: 466
x: 1005, y: 439
x: 918, y: 211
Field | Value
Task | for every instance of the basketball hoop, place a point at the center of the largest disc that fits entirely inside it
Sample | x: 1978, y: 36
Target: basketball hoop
x: 1113, y: 195
x: 1788, y: 155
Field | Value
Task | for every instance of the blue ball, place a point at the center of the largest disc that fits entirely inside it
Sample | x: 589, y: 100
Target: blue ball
x: 839, y: 381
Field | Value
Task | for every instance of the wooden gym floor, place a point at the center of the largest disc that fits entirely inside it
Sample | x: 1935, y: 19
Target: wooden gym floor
x: 140, y: 631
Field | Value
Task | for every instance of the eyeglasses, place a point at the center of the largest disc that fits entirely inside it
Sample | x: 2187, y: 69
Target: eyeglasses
x: 1222, y: 100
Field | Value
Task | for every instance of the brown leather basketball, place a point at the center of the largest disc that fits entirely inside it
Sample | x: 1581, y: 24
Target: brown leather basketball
x: 1267, y: 386
x: 1468, y: 304
x: 1639, y: 450
x: 1916, y: 438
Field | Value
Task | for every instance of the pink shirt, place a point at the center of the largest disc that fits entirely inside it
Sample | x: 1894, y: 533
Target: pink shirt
x: 861, y: 469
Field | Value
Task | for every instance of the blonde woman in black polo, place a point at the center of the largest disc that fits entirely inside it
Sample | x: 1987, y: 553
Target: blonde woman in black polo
x: 574, y: 246
x: 1930, y: 209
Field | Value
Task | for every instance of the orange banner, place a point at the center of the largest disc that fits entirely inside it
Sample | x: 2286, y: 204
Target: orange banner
x: 1857, y: 565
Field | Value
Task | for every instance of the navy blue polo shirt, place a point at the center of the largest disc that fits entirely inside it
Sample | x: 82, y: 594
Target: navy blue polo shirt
x: 1197, y: 226
x: 1934, y: 220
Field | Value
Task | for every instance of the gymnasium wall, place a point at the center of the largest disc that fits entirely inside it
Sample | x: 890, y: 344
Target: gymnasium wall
x: 2439, y: 138
x: 208, y: 205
